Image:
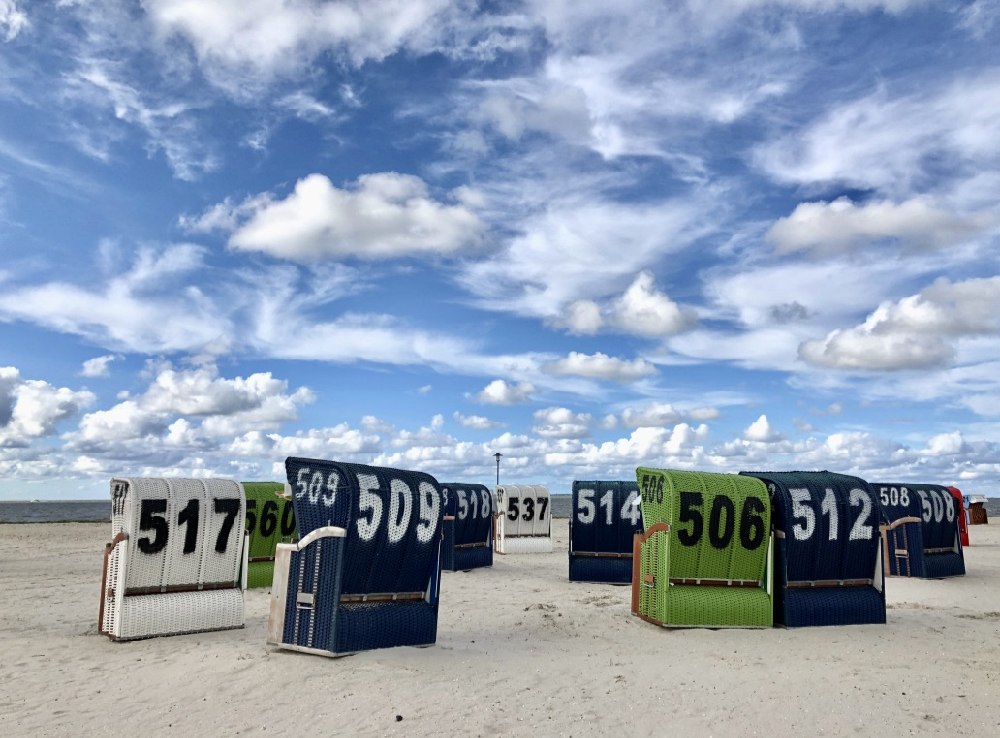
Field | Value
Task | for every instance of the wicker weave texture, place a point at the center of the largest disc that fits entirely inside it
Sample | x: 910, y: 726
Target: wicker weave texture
x: 933, y: 548
x: 393, y: 522
x: 605, y: 517
x: 829, y: 529
x: 524, y: 519
x: 712, y: 567
x: 270, y: 520
x: 179, y: 562
x: 470, y: 508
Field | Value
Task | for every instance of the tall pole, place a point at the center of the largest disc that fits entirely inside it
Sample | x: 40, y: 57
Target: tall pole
x: 497, y: 456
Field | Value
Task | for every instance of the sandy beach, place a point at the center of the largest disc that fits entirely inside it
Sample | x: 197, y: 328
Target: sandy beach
x: 520, y: 651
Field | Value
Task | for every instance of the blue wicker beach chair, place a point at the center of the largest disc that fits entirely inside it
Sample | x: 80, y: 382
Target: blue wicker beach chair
x: 468, y: 527
x: 604, y: 520
x: 827, y: 554
x: 921, y: 536
x: 366, y: 570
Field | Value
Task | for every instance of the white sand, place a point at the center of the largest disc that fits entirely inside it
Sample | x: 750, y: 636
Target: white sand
x: 520, y: 651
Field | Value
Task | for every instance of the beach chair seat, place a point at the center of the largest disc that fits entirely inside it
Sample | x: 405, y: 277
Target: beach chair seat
x: 366, y: 570
x: 175, y: 561
x: 523, y: 519
x: 468, y: 526
x: 920, y: 530
x: 703, y: 560
x: 270, y: 520
x: 828, y: 568
x: 605, y: 518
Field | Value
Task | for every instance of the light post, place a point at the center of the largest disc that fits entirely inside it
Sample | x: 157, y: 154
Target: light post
x: 497, y: 456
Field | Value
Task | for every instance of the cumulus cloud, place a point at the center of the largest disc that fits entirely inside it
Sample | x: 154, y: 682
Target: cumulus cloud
x: 499, y: 392
x: 601, y: 366
x: 210, y: 407
x: 561, y: 422
x: 831, y: 227
x: 477, y: 422
x: 761, y: 431
x: 916, y: 332
x: 98, y: 366
x: 385, y: 215
x: 663, y: 414
x: 31, y: 408
x: 642, y: 310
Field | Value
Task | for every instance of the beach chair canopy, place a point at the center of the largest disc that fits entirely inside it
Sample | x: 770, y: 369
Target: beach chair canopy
x: 606, y: 516
x: 963, y: 515
x: 524, y: 519
x: 703, y: 558
x: 827, y: 554
x: 366, y: 569
x: 929, y: 543
x: 175, y: 560
x: 468, y: 526
x: 270, y: 519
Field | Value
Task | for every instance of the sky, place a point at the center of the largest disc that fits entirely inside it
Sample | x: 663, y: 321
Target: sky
x: 718, y: 235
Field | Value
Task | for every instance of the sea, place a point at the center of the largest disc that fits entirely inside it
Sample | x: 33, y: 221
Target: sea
x: 98, y: 511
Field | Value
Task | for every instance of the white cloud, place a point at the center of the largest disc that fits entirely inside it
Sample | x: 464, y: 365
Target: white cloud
x: 761, y: 431
x: 561, y: 422
x: 151, y: 307
x: 585, y: 248
x: 919, y: 331
x: 601, y: 366
x: 31, y: 408
x: 499, y: 392
x: 478, y: 422
x: 946, y: 444
x: 890, y: 144
x: 384, y: 216
x: 12, y: 20
x: 209, y: 406
x: 98, y: 366
x: 645, y: 311
x: 828, y: 227
x: 247, y: 43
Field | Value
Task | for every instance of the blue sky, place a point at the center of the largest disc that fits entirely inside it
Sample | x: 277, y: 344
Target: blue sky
x: 716, y: 234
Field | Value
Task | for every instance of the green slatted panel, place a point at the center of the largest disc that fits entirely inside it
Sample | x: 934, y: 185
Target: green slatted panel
x: 719, y: 530
x: 270, y: 520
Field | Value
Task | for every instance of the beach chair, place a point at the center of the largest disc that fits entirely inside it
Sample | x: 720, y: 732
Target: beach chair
x: 920, y: 530
x: 977, y: 510
x: 523, y: 519
x: 704, y: 558
x: 963, y: 515
x: 468, y: 526
x: 605, y: 518
x: 828, y: 569
x: 175, y: 561
x: 366, y: 570
x: 270, y: 520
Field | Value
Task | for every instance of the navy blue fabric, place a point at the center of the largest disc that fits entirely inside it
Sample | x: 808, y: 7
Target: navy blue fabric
x: 818, y: 547
x: 602, y: 570
x: 393, y: 520
x: 937, y: 510
x: 472, y: 507
x: 597, y: 528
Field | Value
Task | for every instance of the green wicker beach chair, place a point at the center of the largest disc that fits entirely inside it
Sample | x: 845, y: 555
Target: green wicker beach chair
x: 705, y: 558
x: 270, y: 520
